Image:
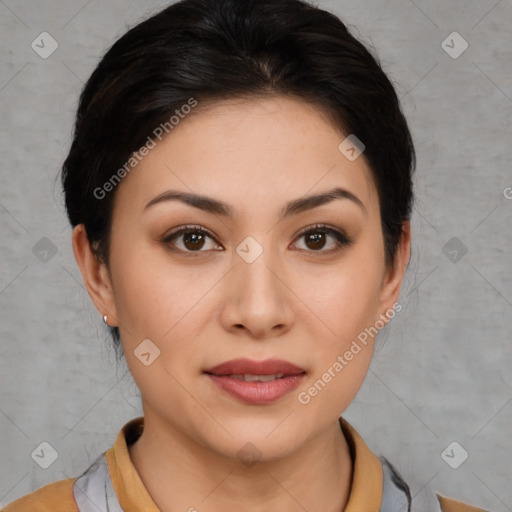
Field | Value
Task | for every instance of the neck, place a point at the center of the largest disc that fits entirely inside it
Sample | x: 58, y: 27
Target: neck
x: 180, y: 474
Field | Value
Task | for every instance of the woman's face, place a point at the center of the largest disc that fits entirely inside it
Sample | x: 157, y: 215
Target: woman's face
x: 253, y: 286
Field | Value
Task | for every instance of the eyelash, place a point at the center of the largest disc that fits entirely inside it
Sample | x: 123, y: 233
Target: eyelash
x: 341, y: 239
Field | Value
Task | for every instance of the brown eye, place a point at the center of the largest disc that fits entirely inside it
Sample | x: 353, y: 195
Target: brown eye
x: 315, y: 241
x: 317, y: 238
x: 193, y: 239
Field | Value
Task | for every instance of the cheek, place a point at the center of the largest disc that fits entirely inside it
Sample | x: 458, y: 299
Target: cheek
x: 342, y: 299
x: 345, y: 303
x: 336, y: 382
x: 153, y: 294
x: 160, y: 300
x: 343, y: 346
x: 156, y: 301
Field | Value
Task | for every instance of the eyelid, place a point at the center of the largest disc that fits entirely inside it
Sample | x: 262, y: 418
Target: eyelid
x: 188, y: 227
x: 341, y: 236
x: 185, y: 227
x: 319, y: 226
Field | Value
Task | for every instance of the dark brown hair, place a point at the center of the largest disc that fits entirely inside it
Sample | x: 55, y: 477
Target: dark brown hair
x: 218, y: 49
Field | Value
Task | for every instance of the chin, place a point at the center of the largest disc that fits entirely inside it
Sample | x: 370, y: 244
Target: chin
x: 254, y: 440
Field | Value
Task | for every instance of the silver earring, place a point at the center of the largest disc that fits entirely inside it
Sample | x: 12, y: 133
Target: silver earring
x: 105, y: 318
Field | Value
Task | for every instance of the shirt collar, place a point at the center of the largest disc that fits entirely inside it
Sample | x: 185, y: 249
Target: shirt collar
x: 366, y: 490
x: 365, y: 493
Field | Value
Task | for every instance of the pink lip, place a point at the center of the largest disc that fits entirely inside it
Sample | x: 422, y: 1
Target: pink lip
x: 258, y: 393
x: 267, y: 367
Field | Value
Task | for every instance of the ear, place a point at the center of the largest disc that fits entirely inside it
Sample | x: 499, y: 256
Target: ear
x: 393, y: 277
x: 95, y: 275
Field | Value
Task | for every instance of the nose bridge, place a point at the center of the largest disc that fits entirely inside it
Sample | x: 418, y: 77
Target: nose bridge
x: 254, y: 262
x: 257, y: 294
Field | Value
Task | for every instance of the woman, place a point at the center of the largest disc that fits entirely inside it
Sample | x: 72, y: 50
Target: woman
x: 239, y: 185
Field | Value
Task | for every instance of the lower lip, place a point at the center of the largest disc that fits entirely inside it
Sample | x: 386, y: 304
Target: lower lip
x: 257, y: 392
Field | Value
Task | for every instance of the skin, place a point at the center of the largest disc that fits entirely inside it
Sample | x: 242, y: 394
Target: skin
x: 296, y: 302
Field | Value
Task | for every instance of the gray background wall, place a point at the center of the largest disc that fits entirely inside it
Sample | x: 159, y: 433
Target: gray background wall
x: 442, y: 370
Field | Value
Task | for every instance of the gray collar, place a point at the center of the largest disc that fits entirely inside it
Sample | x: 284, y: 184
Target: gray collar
x: 396, y: 496
x: 93, y: 491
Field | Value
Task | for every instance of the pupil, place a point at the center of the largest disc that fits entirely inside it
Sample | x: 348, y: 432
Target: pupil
x: 319, y: 240
x: 194, y: 238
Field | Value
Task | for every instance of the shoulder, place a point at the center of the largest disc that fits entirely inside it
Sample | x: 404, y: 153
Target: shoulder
x: 54, y: 497
x: 451, y: 505
x: 396, y: 492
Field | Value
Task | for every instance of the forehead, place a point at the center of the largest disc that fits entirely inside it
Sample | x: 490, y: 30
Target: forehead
x: 249, y: 153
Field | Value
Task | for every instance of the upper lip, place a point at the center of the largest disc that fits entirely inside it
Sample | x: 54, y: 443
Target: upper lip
x: 248, y: 366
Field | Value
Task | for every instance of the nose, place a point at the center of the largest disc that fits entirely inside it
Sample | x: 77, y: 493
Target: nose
x: 258, y: 298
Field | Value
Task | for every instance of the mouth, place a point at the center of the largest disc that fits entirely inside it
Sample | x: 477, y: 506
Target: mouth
x: 256, y: 370
x: 247, y: 377
x: 256, y: 382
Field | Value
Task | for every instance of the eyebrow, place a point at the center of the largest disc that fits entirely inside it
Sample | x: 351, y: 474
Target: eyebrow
x: 211, y: 205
